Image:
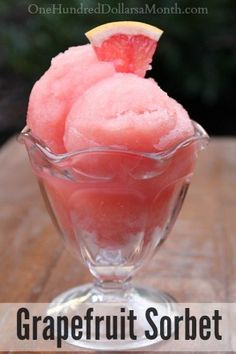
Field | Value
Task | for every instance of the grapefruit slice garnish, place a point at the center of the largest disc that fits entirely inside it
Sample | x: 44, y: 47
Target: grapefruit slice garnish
x: 129, y: 45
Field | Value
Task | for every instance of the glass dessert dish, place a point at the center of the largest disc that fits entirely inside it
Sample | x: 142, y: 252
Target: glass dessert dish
x: 114, y: 208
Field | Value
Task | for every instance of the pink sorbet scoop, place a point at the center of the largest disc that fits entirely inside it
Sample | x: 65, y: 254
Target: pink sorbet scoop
x: 52, y: 96
x: 129, y: 112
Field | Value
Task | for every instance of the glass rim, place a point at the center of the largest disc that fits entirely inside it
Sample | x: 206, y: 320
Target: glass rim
x: 200, y: 135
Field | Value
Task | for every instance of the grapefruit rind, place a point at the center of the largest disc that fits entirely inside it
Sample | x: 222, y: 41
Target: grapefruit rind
x: 99, y: 34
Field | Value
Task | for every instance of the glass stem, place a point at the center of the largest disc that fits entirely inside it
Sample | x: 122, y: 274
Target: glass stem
x: 117, y: 290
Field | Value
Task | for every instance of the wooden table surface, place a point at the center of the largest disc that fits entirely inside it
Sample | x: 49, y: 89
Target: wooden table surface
x: 197, y: 263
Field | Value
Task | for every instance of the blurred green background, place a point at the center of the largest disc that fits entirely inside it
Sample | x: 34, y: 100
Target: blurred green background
x: 195, y: 61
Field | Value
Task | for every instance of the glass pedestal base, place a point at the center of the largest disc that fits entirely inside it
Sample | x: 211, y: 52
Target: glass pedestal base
x: 119, y: 303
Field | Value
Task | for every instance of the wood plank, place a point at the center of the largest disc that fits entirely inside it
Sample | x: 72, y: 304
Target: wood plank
x: 28, y: 242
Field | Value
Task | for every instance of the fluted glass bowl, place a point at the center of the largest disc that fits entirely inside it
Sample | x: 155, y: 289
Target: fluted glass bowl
x: 114, y: 208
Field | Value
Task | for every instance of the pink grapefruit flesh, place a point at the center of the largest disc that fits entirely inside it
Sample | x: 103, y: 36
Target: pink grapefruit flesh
x: 129, y: 45
x: 129, y: 54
